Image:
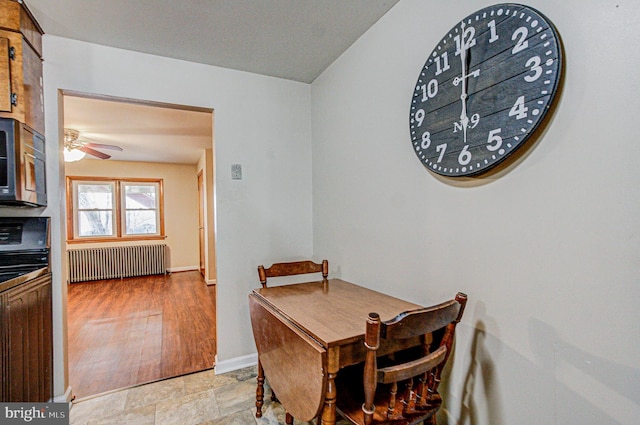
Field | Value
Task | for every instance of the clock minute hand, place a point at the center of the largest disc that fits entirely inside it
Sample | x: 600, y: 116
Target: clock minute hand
x: 464, y: 120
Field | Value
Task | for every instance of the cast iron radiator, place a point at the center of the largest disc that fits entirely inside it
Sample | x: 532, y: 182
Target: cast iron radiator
x: 115, y: 262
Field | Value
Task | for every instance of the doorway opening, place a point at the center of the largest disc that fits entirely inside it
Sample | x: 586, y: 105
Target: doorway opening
x: 136, y: 333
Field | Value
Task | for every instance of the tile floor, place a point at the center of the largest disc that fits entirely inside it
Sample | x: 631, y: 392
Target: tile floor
x: 202, y: 398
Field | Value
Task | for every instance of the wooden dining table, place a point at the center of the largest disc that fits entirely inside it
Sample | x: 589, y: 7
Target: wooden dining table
x: 306, y: 332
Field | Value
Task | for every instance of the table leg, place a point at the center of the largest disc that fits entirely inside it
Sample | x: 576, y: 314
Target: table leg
x: 329, y: 410
x: 259, y: 391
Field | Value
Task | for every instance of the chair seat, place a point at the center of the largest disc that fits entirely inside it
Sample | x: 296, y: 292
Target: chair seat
x: 350, y: 395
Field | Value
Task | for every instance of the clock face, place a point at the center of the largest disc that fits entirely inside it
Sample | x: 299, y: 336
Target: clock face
x: 484, y: 89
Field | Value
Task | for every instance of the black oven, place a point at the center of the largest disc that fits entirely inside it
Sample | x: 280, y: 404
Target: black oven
x: 22, y: 165
x: 24, y: 249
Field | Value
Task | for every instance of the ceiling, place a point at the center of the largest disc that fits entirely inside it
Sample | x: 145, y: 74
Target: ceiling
x: 290, y: 39
x: 158, y: 133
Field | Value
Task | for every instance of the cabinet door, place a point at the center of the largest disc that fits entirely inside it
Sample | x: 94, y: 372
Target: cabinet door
x: 11, y: 79
x: 25, y: 80
x: 5, y: 76
x: 29, y: 360
x: 32, y: 90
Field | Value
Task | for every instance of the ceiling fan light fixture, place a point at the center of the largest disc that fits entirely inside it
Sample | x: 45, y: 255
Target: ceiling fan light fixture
x: 75, y: 149
x: 72, y: 155
x: 70, y: 135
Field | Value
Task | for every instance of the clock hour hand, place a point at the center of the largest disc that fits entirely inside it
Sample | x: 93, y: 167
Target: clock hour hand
x: 459, y: 79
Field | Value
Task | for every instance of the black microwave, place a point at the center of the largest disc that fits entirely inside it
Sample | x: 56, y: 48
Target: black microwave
x: 22, y: 165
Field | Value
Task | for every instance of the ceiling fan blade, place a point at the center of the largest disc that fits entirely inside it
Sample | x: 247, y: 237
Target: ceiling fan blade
x: 102, y: 146
x: 94, y: 152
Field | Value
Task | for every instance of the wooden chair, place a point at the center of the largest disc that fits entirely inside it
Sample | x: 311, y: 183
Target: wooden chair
x: 279, y: 270
x: 401, y: 389
x: 291, y: 269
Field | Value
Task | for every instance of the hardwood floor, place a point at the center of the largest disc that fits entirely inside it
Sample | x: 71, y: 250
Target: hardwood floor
x: 124, y: 332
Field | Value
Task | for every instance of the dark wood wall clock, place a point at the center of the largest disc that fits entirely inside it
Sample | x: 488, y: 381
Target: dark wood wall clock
x: 484, y: 89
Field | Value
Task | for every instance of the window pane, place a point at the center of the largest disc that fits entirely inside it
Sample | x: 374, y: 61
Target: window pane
x: 141, y: 204
x: 95, y: 196
x: 139, y: 197
x: 141, y: 222
x: 95, y: 223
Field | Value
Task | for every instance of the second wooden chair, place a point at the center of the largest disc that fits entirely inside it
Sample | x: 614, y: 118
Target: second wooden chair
x: 402, y: 389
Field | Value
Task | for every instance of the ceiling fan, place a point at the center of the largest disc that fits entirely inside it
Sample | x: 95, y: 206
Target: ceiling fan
x: 75, y: 149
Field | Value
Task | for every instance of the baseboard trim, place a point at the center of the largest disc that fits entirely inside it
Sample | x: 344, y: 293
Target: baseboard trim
x: 235, y: 363
x: 189, y: 269
x: 182, y: 269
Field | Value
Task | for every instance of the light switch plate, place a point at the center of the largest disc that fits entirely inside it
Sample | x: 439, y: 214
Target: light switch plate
x: 236, y: 172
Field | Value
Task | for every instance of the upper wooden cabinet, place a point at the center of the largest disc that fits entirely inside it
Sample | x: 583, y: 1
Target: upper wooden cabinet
x: 21, y: 92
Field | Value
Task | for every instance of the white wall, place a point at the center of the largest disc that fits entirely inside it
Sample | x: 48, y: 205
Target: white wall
x: 262, y: 123
x: 548, y: 250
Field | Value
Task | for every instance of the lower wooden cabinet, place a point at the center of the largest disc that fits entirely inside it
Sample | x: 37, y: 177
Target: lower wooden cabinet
x: 26, y: 342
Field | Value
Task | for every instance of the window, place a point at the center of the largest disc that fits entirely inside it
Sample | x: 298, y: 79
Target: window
x: 140, y: 208
x: 95, y: 209
x: 102, y: 209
